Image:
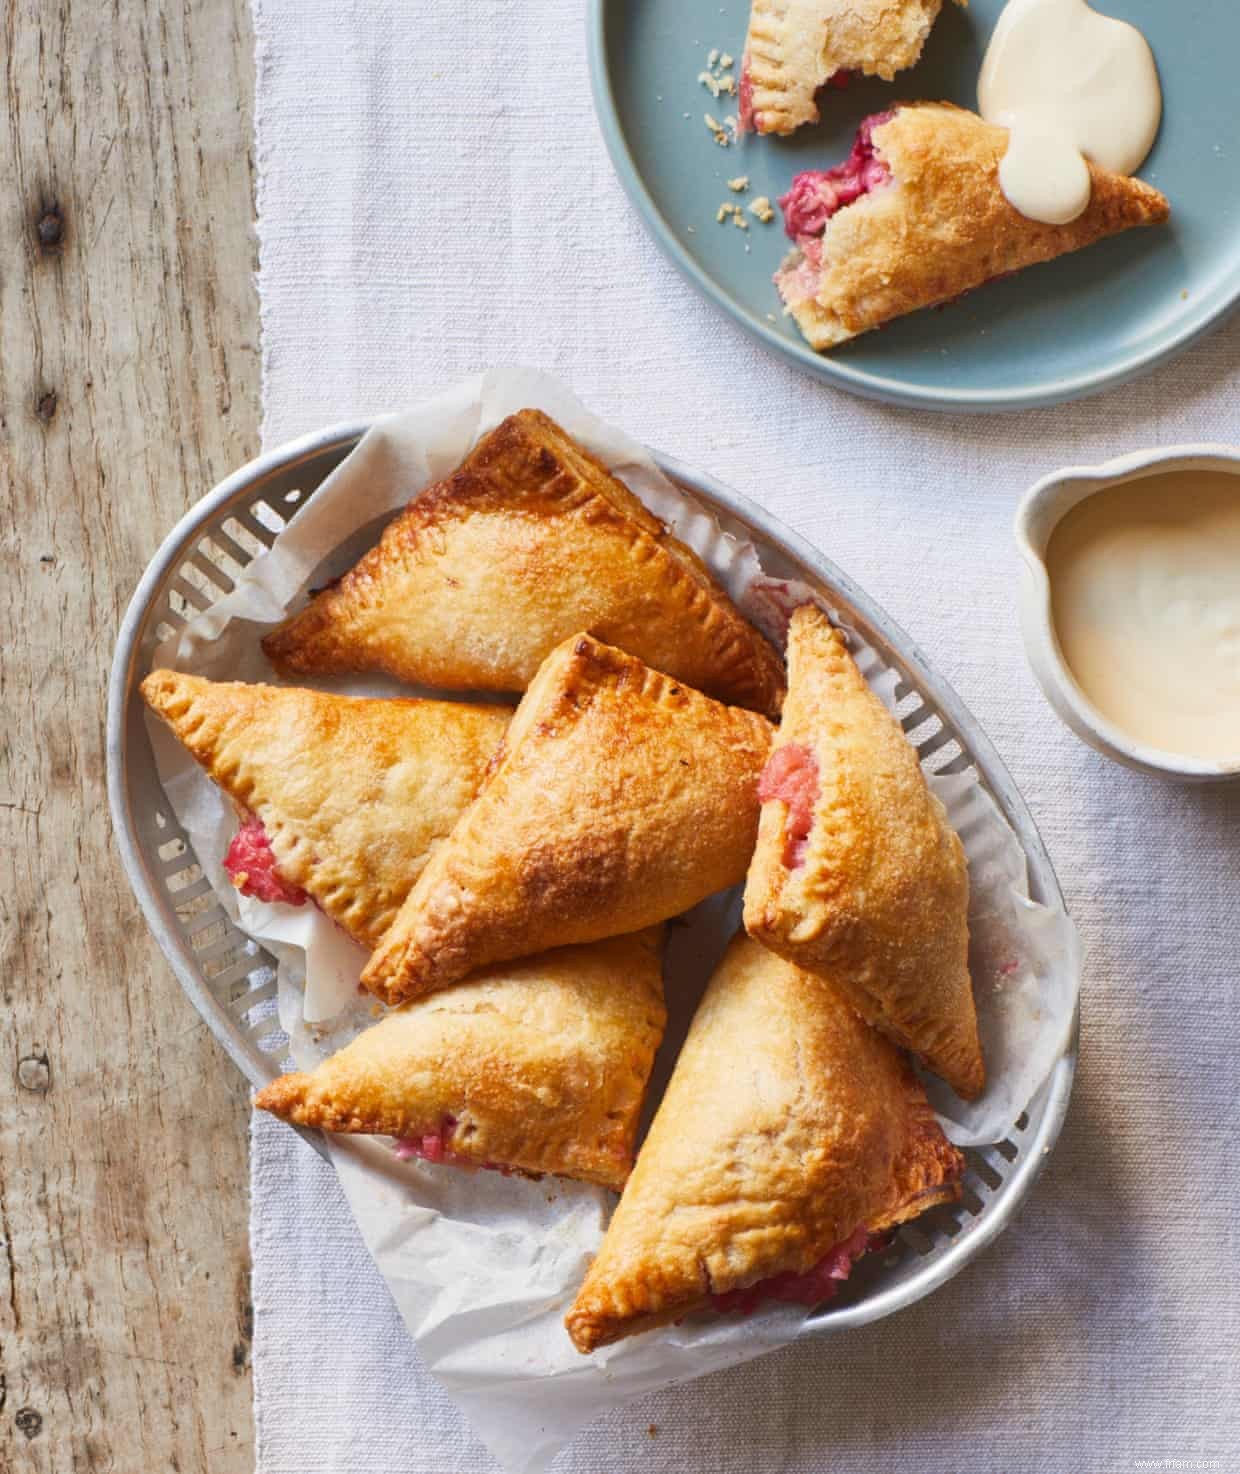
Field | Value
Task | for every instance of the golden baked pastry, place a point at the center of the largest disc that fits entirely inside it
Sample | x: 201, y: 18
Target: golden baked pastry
x: 478, y: 580
x: 916, y: 216
x: 857, y: 876
x: 538, y: 1066
x: 790, y: 1133
x: 796, y: 47
x: 342, y: 799
x: 619, y: 797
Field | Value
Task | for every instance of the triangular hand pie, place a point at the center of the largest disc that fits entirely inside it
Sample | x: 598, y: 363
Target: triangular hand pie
x: 790, y: 1132
x: 916, y: 216
x: 858, y: 877
x: 539, y: 1066
x: 478, y: 580
x: 795, y: 47
x: 342, y: 798
x: 619, y: 798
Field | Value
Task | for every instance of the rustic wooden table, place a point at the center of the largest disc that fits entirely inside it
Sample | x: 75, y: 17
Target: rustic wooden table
x: 129, y: 384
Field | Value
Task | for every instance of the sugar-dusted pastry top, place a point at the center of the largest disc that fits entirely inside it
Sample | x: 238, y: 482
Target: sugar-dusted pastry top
x: 532, y: 539
x: 539, y: 1065
x: 795, y: 47
x: 620, y: 797
x: 352, y: 794
x: 788, y: 1126
x: 932, y: 224
x: 874, y: 898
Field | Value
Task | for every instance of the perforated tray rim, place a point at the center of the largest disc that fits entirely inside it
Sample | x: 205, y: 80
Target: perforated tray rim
x: 226, y: 976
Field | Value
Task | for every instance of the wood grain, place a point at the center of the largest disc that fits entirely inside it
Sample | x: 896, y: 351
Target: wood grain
x: 128, y: 386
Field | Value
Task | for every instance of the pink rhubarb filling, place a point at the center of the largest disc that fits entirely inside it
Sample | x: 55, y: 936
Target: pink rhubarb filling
x: 816, y: 195
x: 251, y: 863
x: 811, y: 1288
x: 433, y: 1146
x: 746, y: 122
x: 791, y: 778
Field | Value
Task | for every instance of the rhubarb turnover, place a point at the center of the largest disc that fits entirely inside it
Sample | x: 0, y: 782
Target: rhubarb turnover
x: 915, y: 216
x: 858, y: 877
x: 532, y: 539
x: 791, y: 1137
x: 796, y: 47
x: 537, y: 1067
x: 620, y: 797
x: 340, y: 800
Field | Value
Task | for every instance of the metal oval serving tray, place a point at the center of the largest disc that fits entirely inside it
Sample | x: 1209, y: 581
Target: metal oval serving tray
x: 231, y: 980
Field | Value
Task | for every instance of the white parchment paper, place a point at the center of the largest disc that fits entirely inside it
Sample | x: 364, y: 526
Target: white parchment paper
x: 483, y: 1267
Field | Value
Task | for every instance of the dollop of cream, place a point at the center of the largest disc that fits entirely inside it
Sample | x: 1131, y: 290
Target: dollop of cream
x: 1145, y: 599
x: 1070, y: 85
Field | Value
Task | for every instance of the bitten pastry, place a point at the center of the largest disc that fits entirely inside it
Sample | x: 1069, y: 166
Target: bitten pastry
x: 538, y: 1066
x: 478, y: 580
x: 857, y: 876
x: 916, y: 216
x: 795, y: 47
x: 341, y: 799
x: 790, y: 1134
x: 620, y: 797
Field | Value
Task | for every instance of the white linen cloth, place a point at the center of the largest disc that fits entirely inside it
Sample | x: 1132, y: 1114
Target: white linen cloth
x: 434, y: 196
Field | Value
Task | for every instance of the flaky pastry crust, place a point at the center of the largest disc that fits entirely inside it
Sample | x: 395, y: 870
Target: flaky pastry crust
x: 787, y: 1124
x: 795, y: 47
x: 619, y: 797
x: 354, y: 794
x: 943, y: 226
x: 878, y: 906
x: 532, y: 539
x: 542, y: 1065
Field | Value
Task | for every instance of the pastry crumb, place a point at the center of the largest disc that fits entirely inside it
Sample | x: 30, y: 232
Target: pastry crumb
x: 717, y: 77
x: 740, y: 184
x: 762, y: 209
x: 718, y: 131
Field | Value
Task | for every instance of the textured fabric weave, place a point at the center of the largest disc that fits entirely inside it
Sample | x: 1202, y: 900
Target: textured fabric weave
x: 434, y: 196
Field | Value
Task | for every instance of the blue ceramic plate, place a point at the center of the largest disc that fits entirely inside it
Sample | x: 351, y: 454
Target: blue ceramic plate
x: 1054, y: 332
